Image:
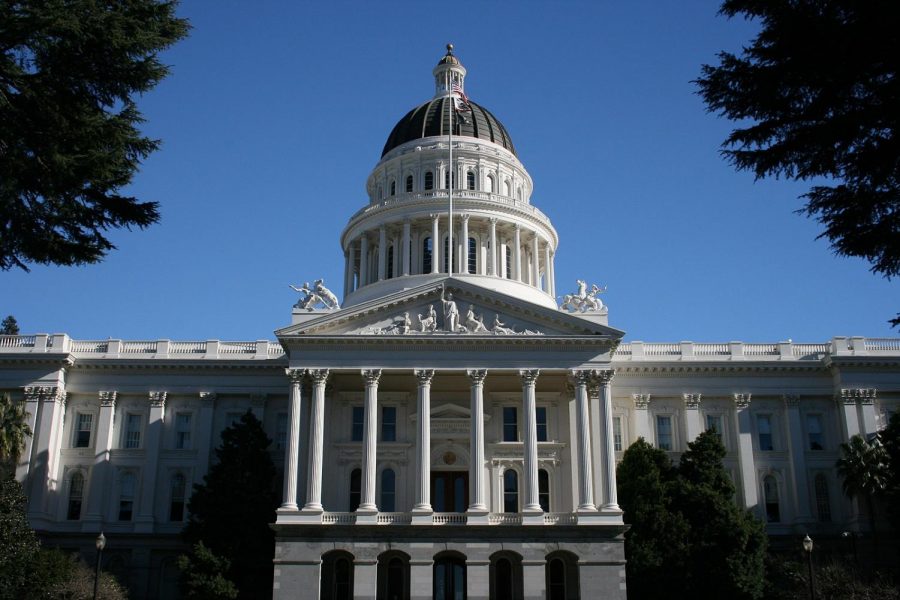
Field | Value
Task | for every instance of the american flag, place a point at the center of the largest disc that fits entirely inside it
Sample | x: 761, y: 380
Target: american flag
x: 462, y: 103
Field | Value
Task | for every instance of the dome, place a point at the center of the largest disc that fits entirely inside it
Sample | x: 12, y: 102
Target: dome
x: 430, y: 119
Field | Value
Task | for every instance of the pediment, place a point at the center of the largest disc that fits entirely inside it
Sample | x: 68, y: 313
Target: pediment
x: 428, y: 312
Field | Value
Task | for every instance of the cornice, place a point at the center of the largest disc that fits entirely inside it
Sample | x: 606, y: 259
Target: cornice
x: 675, y: 369
x: 276, y: 364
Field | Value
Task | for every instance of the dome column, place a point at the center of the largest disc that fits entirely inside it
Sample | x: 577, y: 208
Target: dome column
x: 492, y: 261
x: 435, y: 244
x: 536, y: 261
x: 382, y: 252
x: 348, y: 270
x: 464, y: 263
x: 404, y: 249
x: 552, y: 268
x: 517, y: 254
x: 363, y: 260
x: 548, y: 285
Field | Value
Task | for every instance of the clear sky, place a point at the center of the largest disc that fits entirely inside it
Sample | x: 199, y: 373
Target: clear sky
x: 275, y: 113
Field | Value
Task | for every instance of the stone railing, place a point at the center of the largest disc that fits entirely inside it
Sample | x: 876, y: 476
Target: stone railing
x: 338, y: 518
x: 448, y: 518
x: 560, y: 519
x: 685, y: 351
x: 394, y: 518
x: 445, y: 518
x: 156, y: 349
x: 505, y: 519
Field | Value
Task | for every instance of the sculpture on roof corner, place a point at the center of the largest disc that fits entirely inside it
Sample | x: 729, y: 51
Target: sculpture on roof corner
x: 583, y: 300
x: 316, y: 295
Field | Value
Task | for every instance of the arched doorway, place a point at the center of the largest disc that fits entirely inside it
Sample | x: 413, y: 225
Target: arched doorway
x: 449, y: 576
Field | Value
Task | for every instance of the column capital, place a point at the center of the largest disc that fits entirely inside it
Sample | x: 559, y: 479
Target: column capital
x: 434, y: 216
x: 208, y: 397
x: 319, y: 376
x: 295, y: 375
x: 477, y: 376
x: 604, y: 376
x: 465, y: 217
x: 424, y: 376
x: 641, y: 401
x: 32, y: 393
x: 692, y: 401
x: 108, y: 398
x: 158, y: 399
x: 791, y: 400
x: 529, y: 376
x: 371, y: 376
x: 493, y: 220
x: 581, y: 376
x: 742, y: 400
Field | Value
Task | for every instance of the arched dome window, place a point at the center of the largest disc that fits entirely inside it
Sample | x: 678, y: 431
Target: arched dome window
x: 390, y: 262
x: 447, y: 180
x: 519, y: 193
x: 409, y: 183
x: 429, y: 180
x: 470, y: 180
x: 393, y: 188
x: 473, y: 256
x: 507, y: 188
x: 426, y: 255
x: 336, y: 582
x: 508, y: 262
x: 489, y: 184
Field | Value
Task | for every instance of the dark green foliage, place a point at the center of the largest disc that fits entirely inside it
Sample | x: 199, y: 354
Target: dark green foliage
x: 13, y: 431
x: 890, y: 439
x: 69, y: 127
x: 204, y: 575
x: 59, y: 575
x: 9, y: 326
x: 789, y: 580
x: 864, y: 469
x: 688, y: 539
x: 816, y: 94
x: 231, y: 510
x: 18, y: 545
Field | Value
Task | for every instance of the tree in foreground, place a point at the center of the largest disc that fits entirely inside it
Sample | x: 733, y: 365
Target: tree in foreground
x: 14, y: 430
x: 687, y: 537
x: 231, y: 510
x: 864, y: 469
x: 69, y: 125
x: 204, y: 575
x: 9, y: 326
x: 890, y: 439
x: 816, y: 94
x: 19, y: 546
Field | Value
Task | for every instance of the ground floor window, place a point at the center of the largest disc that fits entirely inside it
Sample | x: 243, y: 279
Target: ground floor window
x: 393, y: 576
x: 449, y: 578
x: 337, y: 576
x: 506, y: 576
x: 562, y: 576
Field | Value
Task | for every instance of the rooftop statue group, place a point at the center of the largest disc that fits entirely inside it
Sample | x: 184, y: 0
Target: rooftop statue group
x: 316, y: 295
x: 583, y: 300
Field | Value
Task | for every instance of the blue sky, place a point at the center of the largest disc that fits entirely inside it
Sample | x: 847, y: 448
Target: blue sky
x: 275, y: 113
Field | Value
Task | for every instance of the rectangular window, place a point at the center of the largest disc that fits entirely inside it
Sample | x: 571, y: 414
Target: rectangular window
x: 714, y: 423
x: 510, y: 424
x: 764, y: 432
x: 541, y: 412
x: 358, y: 419
x: 617, y: 434
x: 664, y: 433
x: 814, y: 432
x: 281, y: 431
x: 126, y: 497
x: 132, y: 431
x: 83, y: 423
x: 183, y: 431
x: 389, y: 424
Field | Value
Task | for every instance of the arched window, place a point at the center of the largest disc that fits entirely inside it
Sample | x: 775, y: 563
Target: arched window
x: 562, y: 576
x: 393, y: 188
x: 519, y: 193
x: 337, y: 576
x: 390, y: 262
x: 429, y: 180
x: 470, y: 180
x: 176, y: 505
x: 508, y: 259
x: 393, y: 576
x: 449, y: 577
x: 426, y: 255
x: 409, y: 183
x: 506, y: 188
x: 544, y: 489
x: 126, y: 496
x: 510, y: 491
x: 770, y: 491
x: 473, y: 256
x: 489, y: 184
x: 388, y: 494
x: 76, y: 496
x: 506, y: 576
x: 823, y: 504
x: 447, y: 180
x: 355, y: 488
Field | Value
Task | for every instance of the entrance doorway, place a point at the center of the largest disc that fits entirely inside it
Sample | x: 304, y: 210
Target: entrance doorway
x: 449, y: 491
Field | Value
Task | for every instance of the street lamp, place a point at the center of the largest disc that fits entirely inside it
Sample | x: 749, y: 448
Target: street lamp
x: 808, y: 548
x: 100, y: 543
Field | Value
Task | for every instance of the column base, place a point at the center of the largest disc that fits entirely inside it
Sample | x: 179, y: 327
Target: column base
x: 477, y: 516
x: 599, y: 518
x: 366, y: 516
x: 611, y: 509
x: 422, y: 516
x: 587, y: 508
x: 532, y: 517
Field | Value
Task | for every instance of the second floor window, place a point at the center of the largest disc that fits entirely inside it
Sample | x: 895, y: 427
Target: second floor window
x: 388, y: 491
x: 76, y: 495
x: 126, y: 496
x: 510, y: 491
x: 176, y: 504
x: 617, y: 434
x: 82, y: 436
x: 764, y: 432
x: 389, y: 424
x: 541, y: 412
x: 510, y: 424
x: 357, y: 422
x: 664, y: 433
x: 544, y: 489
x: 814, y: 432
x: 132, y: 431
x: 281, y: 431
x: 183, y: 431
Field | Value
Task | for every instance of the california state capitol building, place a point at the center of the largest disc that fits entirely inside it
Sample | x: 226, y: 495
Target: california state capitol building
x: 449, y: 427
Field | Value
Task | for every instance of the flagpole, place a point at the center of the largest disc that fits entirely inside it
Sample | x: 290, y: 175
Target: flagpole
x: 450, y: 178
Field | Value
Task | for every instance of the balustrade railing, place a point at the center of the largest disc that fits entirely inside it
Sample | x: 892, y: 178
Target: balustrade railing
x: 338, y: 518
x: 449, y: 518
x: 16, y: 341
x: 505, y: 519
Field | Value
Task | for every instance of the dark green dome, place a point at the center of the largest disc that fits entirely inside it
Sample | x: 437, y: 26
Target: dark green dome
x: 431, y: 119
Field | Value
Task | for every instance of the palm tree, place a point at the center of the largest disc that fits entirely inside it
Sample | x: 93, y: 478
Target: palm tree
x: 13, y: 431
x: 865, y: 470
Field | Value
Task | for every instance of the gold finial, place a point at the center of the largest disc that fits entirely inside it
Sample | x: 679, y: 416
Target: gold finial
x: 449, y: 48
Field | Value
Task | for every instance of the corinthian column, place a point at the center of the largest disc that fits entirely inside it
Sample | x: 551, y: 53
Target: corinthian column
x: 370, y: 419
x: 363, y: 260
x: 476, y: 449
x: 517, y: 254
x: 316, y: 434
x: 532, y: 501
x: 291, y: 459
x: 435, y: 244
x: 423, y: 443
x: 608, y: 467
x: 464, y: 267
x: 583, y: 441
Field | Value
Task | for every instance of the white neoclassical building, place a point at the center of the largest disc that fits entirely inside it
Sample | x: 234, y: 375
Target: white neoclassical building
x: 447, y: 430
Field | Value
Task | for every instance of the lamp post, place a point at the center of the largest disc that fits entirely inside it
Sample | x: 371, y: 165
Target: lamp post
x: 808, y: 548
x: 100, y: 543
